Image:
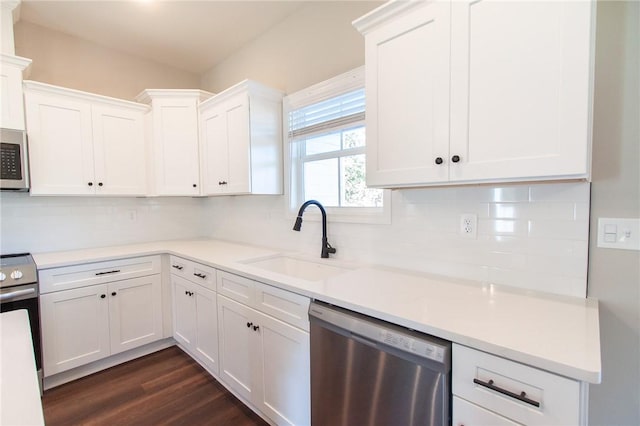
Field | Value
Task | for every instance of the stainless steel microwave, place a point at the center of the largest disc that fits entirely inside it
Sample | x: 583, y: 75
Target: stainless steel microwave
x: 14, y: 165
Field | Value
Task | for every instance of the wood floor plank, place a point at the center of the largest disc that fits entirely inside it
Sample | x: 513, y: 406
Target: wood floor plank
x: 163, y: 388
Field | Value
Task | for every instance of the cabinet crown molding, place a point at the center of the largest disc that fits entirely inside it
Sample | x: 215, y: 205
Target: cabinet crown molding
x: 37, y: 86
x: 250, y: 86
x: 17, y: 61
x: 385, y: 12
x: 147, y: 95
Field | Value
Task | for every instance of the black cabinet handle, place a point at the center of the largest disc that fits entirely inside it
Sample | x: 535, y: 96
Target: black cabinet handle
x: 102, y: 296
x: 178, y: 267
x: 195, y: 186
x: 90, y: 183
x: 113, y: 293
x: 522, y: 396
x: 203, y: 276
x: 186, y: 292
x: 249, y: 324
x: 99, y: 183
x: 256, y: 327
x: 222, y: 182
x: 439, y: 160
x: 455, y: 158
x: 115, y: 271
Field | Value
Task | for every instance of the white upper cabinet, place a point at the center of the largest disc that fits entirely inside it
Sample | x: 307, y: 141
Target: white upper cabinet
x: 11, y: 99
x: 241, y: 141
x: 84, y: 144
x: 174, y: 140
x: 478, y: 91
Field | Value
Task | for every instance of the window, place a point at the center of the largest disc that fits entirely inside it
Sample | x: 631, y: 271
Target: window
x: 326, y: 135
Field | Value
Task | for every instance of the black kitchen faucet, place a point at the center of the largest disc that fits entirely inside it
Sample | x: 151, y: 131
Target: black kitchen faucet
x: 326, y: 247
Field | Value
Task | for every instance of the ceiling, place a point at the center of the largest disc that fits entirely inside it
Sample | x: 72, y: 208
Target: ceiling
x: 190, y: 35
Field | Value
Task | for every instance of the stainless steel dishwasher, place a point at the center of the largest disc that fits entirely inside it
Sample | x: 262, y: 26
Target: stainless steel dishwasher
x: 368, y: 372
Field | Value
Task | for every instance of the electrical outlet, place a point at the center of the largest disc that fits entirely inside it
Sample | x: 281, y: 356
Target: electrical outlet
x: 469, y: 225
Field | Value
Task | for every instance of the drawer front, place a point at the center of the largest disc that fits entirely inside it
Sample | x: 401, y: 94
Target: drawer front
x: 283, y: 305
x: 180, y: 267
x: 468, y: 414
x: 236, y: 287
x: 497, y: 384
x: 86, y: 274
x: 195, y: 272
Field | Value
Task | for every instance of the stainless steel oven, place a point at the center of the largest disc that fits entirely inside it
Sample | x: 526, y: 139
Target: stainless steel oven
x: 19, y: 290
x: 14, y: 165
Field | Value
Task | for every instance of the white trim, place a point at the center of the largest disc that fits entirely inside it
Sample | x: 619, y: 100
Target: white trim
x: 346, y: 82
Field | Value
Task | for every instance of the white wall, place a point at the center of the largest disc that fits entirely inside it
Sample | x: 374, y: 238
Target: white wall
x: 529, y: 236
x: 614, y: 275
x: 39, y: 224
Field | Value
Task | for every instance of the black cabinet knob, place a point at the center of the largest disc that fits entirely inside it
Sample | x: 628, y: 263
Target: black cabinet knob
x: 256, y: 327
x: 194, y: 185
x: 113, y: 293
x: 90, y: 184
x: 99, y: 183
x: 102, y: 296
x: 439, y: 160
x: 249, y: 324
x: 455, y: 158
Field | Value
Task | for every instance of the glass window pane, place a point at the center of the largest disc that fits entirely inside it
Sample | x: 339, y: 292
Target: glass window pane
x: 321, y: 182
x: 353, y: 138
x: 323, y: 143
x: 354, y: 191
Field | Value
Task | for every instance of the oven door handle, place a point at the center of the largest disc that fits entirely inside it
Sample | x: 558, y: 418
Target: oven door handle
x: 7, y: 297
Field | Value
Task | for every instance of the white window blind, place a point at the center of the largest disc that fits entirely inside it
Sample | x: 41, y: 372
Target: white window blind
x: 337, y: 112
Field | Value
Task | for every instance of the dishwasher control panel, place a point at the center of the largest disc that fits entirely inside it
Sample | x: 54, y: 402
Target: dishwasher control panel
x: 410, y: 344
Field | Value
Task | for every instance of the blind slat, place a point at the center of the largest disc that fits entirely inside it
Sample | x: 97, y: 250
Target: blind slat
x: 342, y: 109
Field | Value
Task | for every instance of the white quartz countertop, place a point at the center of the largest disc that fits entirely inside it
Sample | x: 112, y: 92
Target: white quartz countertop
x: 559, y: 334
x: 20, y: 402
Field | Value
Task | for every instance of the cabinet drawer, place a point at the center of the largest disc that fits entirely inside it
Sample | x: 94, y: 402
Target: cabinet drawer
x: 237, y: 288
x: 87, y: 274
x: 497, y: 384
x: 195, y: 272
x: 283, y: 305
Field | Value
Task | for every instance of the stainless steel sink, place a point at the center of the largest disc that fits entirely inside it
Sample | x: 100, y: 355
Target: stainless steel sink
x: 298, y: 268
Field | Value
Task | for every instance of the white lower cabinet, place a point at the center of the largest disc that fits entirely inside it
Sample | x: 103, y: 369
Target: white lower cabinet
x: 490, y: 390
x: 195, y: 321
x: 85, y: 324
x: 264, y: 360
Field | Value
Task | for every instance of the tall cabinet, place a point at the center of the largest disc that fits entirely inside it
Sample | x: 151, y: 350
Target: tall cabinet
x: 241, y: 141
x: 478, y: 91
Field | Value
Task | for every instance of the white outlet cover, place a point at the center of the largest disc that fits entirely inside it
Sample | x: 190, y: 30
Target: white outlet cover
x: 469, y: 225
x: 619, y: 233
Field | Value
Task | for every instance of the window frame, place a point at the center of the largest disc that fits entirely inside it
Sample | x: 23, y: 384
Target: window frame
x: 349, y: 81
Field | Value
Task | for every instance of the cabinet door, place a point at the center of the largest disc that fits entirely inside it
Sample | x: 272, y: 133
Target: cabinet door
x: 237, y: 346
x: 520, y: 89
x: 408, y: 98
x: 238, y: 145
x: 60, y: 145
x: 175, y: 144
x: 215, y: 156
x: 468, y: 414
x: 12, y: 116
x: 135, y: 311
x: 206, y: 332
x: 284, y: 371
x: 119, y: 150
x: 184, y: 312
x: 75, y: 328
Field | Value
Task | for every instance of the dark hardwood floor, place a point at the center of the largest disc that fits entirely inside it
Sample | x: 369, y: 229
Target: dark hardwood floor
x: 164, y: 388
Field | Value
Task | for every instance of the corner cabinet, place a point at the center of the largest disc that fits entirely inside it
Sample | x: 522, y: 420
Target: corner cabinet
x: 478, y: 91
x: 173, y: 140
x: 241, y: 141
x: 84, y: 144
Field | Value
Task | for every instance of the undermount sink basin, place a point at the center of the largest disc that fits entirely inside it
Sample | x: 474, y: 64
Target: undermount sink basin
x: 298, y: 268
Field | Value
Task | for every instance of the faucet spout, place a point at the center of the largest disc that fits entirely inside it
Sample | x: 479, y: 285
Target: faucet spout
x: 326, y: 247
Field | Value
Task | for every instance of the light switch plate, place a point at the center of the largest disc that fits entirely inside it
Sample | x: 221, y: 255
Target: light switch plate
x: 619, y: 233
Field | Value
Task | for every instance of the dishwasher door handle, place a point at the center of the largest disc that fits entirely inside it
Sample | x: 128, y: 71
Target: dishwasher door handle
x: 364, y: 340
